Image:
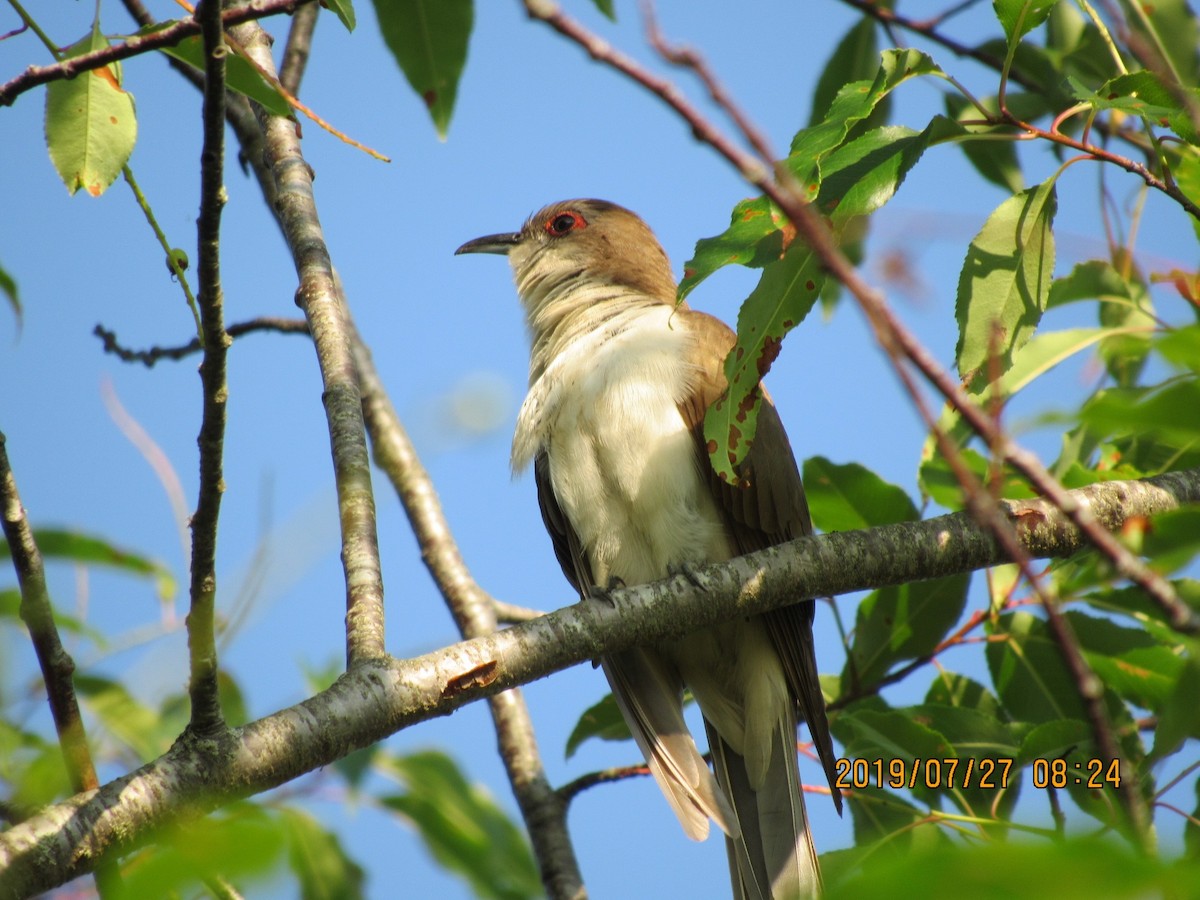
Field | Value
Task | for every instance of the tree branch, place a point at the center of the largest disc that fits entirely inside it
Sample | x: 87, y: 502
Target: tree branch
x: 380, y: 697
x: 58, y: 668
x: 168, y: 36
x: 544, y: 809
x: 318, y: 298
x: 149, y: 357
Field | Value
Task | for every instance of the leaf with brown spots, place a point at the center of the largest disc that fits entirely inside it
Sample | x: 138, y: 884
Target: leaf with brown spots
x: 91, y: 126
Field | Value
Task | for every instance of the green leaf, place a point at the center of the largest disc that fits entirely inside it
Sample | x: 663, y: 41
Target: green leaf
x: 463, y: 827
x: 850, y: 497
x: 854, y: 103
x: 429, y: 40
x: 77, y: 547
x: 855, y: 58
x: 1049, y: 870
x: 1028, y: 671
x: 995, y: 160
x: 240, y: 75
x: 1145, y: 94
x: 1005, y: 281
x: 91, y: 126
x: 1173, y: 540
x: 1019, y: 17
x: 783, y: 297
x: 1168, y: 413
x: 902, y: 622
x: 1129, y: 660
x: 1170, y: 25
x: 754, y: 238
x: 607, y: 9
x: 862, y: 175
x: 1181, y: 347
x: 1179, y: 718
x: 344, y: 10
x: 952, y: 689
x: 603, y: 720
x: 1053, y: 740
x: 880, y: 816
x: 240, y: 842
x: 940, y: 484
x: 320, y: 863
x: 8, y: 287
x: 122, y: 715
x: 867, y: 734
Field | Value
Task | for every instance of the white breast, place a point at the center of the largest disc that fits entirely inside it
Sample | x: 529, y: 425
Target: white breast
x: 622, y: 463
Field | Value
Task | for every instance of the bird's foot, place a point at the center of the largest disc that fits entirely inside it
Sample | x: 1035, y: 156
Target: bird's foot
x: 604, y: 594
x: 688, y: 571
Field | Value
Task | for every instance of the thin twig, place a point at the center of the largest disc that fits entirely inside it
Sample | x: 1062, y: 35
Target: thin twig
x: 298, y: 48
x: 168, y: 36
x: 475, y: 612
x: 573, y: 789
x: 317, y: 295
x: 58, y: 668
x: 152, y: 355
x: 206, y: 716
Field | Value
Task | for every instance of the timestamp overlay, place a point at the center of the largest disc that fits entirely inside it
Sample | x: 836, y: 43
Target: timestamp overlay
x: 950, y: 773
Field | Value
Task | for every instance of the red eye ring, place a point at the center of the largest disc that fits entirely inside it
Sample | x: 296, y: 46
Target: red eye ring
x: 565, y: 223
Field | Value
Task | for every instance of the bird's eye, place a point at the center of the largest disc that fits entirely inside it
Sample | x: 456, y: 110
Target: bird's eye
x: 564, y: 223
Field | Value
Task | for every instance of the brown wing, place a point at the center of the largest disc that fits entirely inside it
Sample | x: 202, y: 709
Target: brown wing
x: 768, y: 507
x: 566, y: 543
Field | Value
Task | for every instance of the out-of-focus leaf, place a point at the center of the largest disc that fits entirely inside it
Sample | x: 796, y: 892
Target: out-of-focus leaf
x: 10, y: 608
x: 86, y: 549
x: 1128, y: 660
x: 1072, y: 870
x: 240, y: 842
x: 1019, y: 17
x: 602, y: 720
x: 1181, y: 347
x: 855, y: 58
x: 240, y: 75
x: 1168, y: 413
x: 939, y: 483
x: 1005, y: 281
x: 8, y: 287
x: 952, y: 689
x: 1028, y: 671
x: 91, y: 126
x: 429, y: 40
x: 463, y: 827
x: 316, y: 856
x: 607, y: 9
x: 122, y: 715
x: 1171, y: 25
x: 1179, y: 717
x: 1173, y: 539
x: 902, y: 622
x: 994, y: 160
x: 849, y: 497
x: 1053, y: 740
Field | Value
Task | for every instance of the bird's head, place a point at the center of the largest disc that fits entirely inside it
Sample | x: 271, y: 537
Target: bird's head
x: 582, y: 243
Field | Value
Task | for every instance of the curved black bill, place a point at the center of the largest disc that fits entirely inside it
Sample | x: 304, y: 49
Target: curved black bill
x: 492, y: 243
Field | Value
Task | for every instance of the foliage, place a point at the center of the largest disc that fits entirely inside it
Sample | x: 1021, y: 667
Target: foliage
x: 963, y: 778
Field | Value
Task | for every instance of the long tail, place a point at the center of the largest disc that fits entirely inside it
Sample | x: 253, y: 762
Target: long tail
x: 772, y: 857
x: 649, y: 695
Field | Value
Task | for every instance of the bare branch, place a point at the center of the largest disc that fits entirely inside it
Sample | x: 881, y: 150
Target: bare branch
x: 151, y: 356
x: 318, y: 297
x: 168, y: 36
x: 474, y: 611
x: 299, y: 47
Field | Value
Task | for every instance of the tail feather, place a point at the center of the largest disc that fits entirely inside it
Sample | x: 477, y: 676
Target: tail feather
x: 772, y: 857
x: 649, y: 696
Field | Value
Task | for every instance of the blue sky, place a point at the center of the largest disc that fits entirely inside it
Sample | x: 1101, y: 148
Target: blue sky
x: 536, y: 121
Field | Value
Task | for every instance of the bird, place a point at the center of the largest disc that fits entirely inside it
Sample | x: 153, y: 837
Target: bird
x: 620, y: 377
